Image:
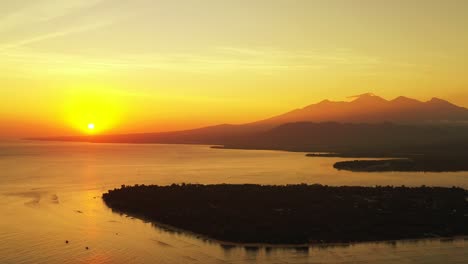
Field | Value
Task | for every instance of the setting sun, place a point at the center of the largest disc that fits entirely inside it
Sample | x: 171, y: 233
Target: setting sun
x: 89, y: 111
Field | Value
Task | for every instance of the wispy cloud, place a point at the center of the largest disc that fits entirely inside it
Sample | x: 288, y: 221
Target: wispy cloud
x: 18, y: 52
x: 40, y: 11
x: 333, y: 57
x: 54, y: 34
x: 42, y: 20
x: 219, y: 60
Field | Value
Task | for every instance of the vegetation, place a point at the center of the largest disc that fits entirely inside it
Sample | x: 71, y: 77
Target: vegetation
x: 297, y: 214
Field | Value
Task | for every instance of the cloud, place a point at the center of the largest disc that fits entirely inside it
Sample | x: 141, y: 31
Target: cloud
x: 42, y: 18
x: 55, y: 34
x: 40, y: 11
x: 219, y: 60
x: 262, y: 60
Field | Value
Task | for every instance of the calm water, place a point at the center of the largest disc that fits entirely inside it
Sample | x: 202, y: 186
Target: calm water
x: 50, y: 192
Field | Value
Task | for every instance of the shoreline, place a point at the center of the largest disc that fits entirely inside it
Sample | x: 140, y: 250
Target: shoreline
x: 223, y: 243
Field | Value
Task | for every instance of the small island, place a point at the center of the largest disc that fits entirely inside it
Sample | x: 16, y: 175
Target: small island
x: 405, y: 165
x: 298, y: 214
x: 415, y: 164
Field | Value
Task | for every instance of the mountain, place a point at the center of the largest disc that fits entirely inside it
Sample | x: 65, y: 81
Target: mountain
x: 363, y: 109
x: 369, y: 108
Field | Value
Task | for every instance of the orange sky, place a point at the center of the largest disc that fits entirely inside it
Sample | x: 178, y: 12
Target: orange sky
x: 139, y: 66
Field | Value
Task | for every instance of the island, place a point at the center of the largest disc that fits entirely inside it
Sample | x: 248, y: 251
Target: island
x: 378, y: 165
x: 298, y: 214
x: 418, y: 164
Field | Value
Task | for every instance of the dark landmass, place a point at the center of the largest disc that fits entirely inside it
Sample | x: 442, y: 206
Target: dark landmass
x: 378, y: 165
x: 421, y: 164
x: 385, y: 139
x: 325, y: 155
x: 418, y: 148
x: 363, y: 155
x: 298, y: 214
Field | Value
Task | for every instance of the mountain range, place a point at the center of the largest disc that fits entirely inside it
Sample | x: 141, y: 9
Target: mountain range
x: 369, y: 108
x: 366, y: 118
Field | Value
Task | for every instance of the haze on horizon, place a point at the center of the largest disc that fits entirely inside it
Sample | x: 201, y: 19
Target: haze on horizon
x: 147, y: 66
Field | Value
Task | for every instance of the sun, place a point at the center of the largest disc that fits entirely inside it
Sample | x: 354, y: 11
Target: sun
x: 90, y: 112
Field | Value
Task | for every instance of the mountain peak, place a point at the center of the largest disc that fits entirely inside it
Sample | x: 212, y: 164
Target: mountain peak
x: 367, y: 98
x: 440, y: 102
x: 402, y: 98
x: 437, y: 100
x: 326, y: 101
x: 405, y: 100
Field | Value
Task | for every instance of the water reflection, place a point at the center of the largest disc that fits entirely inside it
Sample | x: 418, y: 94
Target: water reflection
x: 383, y: 251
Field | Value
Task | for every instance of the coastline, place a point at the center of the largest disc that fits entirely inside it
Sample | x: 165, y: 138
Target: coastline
x: 224, y: 243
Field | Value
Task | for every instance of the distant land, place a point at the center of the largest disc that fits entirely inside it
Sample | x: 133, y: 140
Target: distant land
x: 298, y: 214
x: 423, y: 164
x: 364, y: 109
x: 368, y: 126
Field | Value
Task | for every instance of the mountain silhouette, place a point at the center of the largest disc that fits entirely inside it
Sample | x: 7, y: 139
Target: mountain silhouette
x: 363, y: 109
x: 369, y: 108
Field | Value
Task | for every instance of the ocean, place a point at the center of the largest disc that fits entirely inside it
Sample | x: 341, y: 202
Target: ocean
x: 51, y: 193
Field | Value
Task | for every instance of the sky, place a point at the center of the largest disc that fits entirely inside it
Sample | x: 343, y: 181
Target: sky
x: 158, y: 65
